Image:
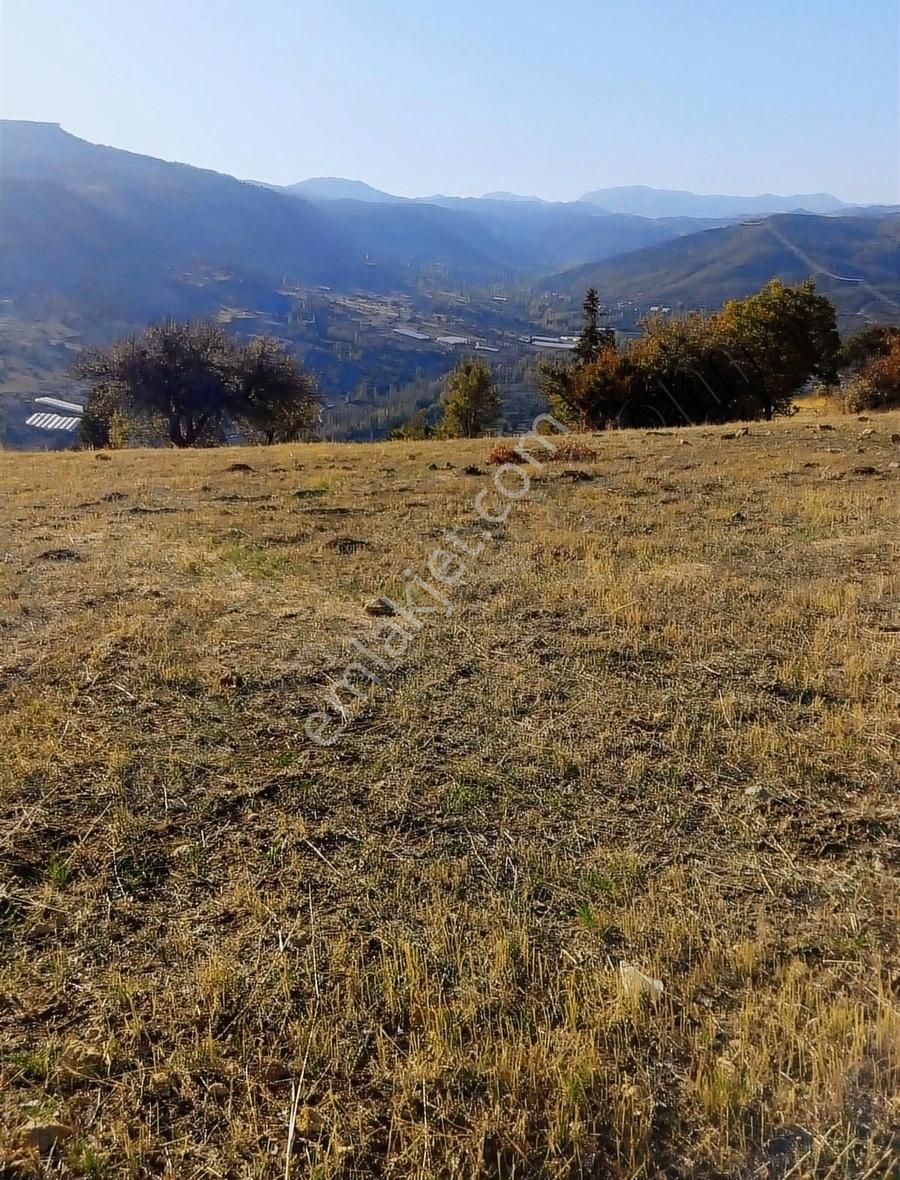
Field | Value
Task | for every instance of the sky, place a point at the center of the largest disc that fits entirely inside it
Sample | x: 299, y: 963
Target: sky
x: 467, y: 96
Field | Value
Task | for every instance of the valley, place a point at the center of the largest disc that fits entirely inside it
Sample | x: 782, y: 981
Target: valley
x: 377, y: 295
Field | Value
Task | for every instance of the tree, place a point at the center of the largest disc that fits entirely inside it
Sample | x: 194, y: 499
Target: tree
x: 187, y: 382
x: 593, y: 338
x: 791, y: 335
x: 414, y: 429
x: 684, y: 372
x: 867, y: 344
x: 877, y: 386
x: 579, y: 394
x: 589, y: 396
x: 273, y: 396
x: 471, y: 404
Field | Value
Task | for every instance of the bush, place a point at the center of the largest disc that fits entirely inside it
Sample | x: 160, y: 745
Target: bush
x: 877, y: 387
x: 502, y: 454
x: 564, y: 452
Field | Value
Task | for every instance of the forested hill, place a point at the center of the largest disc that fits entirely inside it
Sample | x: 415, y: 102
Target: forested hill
x: 855, y: 260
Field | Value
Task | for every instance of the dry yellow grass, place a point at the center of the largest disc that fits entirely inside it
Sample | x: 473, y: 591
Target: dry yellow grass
x: 657, y: 729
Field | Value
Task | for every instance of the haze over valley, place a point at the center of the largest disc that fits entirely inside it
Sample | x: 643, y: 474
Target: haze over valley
x: 376, y: 293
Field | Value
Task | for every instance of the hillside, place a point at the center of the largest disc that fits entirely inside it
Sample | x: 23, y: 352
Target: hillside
x: 648, y: 737
x: 855, y: 261
x: 168, y: 220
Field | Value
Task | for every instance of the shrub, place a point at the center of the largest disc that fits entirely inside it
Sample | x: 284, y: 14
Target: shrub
x: 564, y: 452
x: 503, y: 453
x: 877, y: 387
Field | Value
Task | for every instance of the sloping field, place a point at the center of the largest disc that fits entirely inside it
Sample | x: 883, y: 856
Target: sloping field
x: 649, y: 737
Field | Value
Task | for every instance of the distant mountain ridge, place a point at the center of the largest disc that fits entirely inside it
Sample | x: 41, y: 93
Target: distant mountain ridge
x: 642, y: 201
x: 631, y: 200
x: 338, y: 188
x: 64, y: 198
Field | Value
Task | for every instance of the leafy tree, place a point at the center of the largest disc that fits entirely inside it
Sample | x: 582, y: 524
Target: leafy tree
x: 188, y: 381
x: 791, y: 335
x: 589, y: 396
x: 100, y: 410
x: 747, y: 361
x: 471, y: 404
x: 415, y: 428
x: 877, y: 386
x: 866, y: 345
x: 685, y: 371
x: 273, y: 396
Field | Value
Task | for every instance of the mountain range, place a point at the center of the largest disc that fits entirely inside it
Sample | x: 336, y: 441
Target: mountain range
x: 97, y: 241
x: 631, y: 200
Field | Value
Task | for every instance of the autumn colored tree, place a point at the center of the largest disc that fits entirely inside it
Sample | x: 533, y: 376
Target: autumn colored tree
x: 878, y: 385
x: 869, y: 343
x: 590, y: 396
x: 582, y: 393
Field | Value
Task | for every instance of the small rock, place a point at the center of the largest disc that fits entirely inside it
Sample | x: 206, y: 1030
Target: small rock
x: 432, y: 466
x: 161, y: 1083
x: 867, y: 433
x: 636, y: 983
x: 788, y: 1141
x: 472, y: 470
x: 217, y: 1090
x: 45, y: 1136
x: 60, y: 555
x: 686, y: 443
x: 865, y: 470
x: 274, y: 1071
x: 345, y: 545
x: 895, y: 438
x: 100, y: 455
x: 380, y: 607
x: 738, y: 518
x: 309, y: 1123
x: 825, y: 426
x: 113, y: 497
x: 245, y: 467
x: 83, y: 1062
x: 893, y: 466
x: 231, y: 680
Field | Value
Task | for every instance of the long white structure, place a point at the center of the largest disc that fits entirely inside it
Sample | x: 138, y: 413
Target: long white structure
x: 52, y: 422
x: 59, y: 404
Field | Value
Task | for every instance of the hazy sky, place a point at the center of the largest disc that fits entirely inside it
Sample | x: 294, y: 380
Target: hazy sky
x: 466, y: 96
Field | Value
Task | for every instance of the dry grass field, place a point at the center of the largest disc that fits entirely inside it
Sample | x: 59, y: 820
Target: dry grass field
x: 654, y: 734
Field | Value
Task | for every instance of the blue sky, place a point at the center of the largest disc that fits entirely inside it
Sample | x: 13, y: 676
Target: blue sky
x: 466, y: 96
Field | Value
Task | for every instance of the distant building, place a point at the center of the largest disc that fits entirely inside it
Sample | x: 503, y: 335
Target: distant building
x: 52, y: 422
x: 412, y: 334
x: 59, y: 404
